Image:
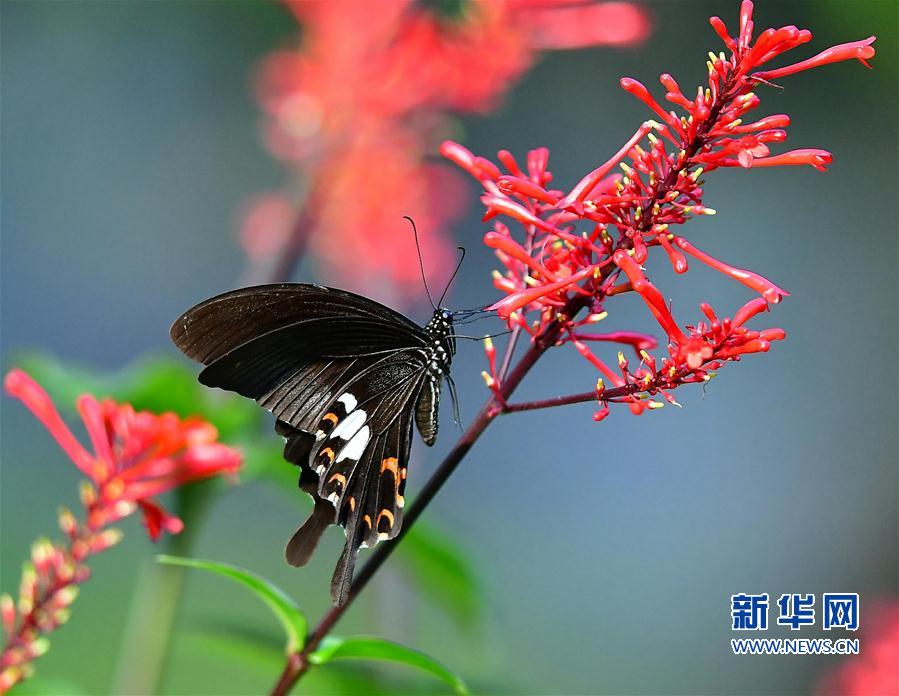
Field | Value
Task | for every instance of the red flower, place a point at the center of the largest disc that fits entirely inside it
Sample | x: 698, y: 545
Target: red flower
x: 135, y: 457
x: 356, y: 110
x: 571, y: 251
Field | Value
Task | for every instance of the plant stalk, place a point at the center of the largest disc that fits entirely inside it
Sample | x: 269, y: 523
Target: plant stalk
x: 149, y: 628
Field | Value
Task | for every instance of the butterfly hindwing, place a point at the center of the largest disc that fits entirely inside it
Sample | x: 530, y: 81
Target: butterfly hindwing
x: 357, y: 458
x: 372, y: 510
x: 297, y: 448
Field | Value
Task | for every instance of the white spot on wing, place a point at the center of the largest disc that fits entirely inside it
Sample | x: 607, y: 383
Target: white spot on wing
x: 349, y: 425
x: 349, y: 401
x: 356, y: 446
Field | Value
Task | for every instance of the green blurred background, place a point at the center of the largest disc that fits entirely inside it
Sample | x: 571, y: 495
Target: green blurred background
x: 605, y: 554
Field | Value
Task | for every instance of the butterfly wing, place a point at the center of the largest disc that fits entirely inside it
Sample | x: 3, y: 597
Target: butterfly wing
x: 343, y: 375
x: 355, y: 463
x: 368, y: 493
x: 222, y: 323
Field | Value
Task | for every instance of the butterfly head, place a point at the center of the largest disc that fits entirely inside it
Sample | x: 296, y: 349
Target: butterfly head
x: 442, y: 341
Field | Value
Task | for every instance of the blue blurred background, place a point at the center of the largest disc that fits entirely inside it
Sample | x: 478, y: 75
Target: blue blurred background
x: 607, y: 553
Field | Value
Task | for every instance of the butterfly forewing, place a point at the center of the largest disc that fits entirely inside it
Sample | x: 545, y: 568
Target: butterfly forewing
x: 345, y: 378
x: 222, y: 323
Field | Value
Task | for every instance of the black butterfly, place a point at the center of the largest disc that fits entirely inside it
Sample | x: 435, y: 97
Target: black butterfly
x: 345, y: 377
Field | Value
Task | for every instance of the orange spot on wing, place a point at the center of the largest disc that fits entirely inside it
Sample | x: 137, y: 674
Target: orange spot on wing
x: 329, y: 453
x: 389, y: 464
x: 352, y: 502
x: 331, y: 417
x: 367, y: 520
x: 340, y: 478
x: 388, y: 515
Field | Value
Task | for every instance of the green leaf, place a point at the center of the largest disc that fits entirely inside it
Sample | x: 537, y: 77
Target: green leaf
x: 292, y: 619
x: 261, y: 651
x: 443, y: 572
x: 370, y: 648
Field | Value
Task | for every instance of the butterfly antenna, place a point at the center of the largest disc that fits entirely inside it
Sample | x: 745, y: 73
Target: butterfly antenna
x: 468, y: 318
x: 481, y: 338
x: 421, y: 265
x: 468, y: 313
x: 453, y: 276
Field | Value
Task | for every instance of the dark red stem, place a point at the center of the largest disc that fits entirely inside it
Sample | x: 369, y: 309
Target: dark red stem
x: 295, y: 247
x: 571, y: 399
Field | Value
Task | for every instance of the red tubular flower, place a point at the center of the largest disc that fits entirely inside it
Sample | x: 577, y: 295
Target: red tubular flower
x: 819, y: 159
x: 514, y: 250
x: 136, y: 456
x: 747, y: 311
x: 764, y: 287
x: 650, y: 295
x: 862, y: 51
x: 590, y: 357
x: 525, y: 187
x: 518, y: 300
x: 586, y: 185
x: 569, y: 253
x: 678, y: 261
x: 628, y: 84
x: 638, y: 341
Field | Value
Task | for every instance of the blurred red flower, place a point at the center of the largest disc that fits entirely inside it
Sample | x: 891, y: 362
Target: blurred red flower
x: 359, y: 106
x: 875, y: 670
x: 136, y: 456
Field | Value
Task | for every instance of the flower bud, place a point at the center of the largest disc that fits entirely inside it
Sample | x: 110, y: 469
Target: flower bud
x: 7, y: 613
x: 601, y: 414
x: 105, y: 539
x: 67, y: 522
x: 38, y: 647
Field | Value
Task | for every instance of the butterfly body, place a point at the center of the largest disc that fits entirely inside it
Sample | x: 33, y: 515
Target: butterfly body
x: 345, y: 377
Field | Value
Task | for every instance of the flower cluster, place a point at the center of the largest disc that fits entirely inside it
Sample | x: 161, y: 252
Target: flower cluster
x: 358, y: 107
x: 136, y: 456
x: 578, y: 248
